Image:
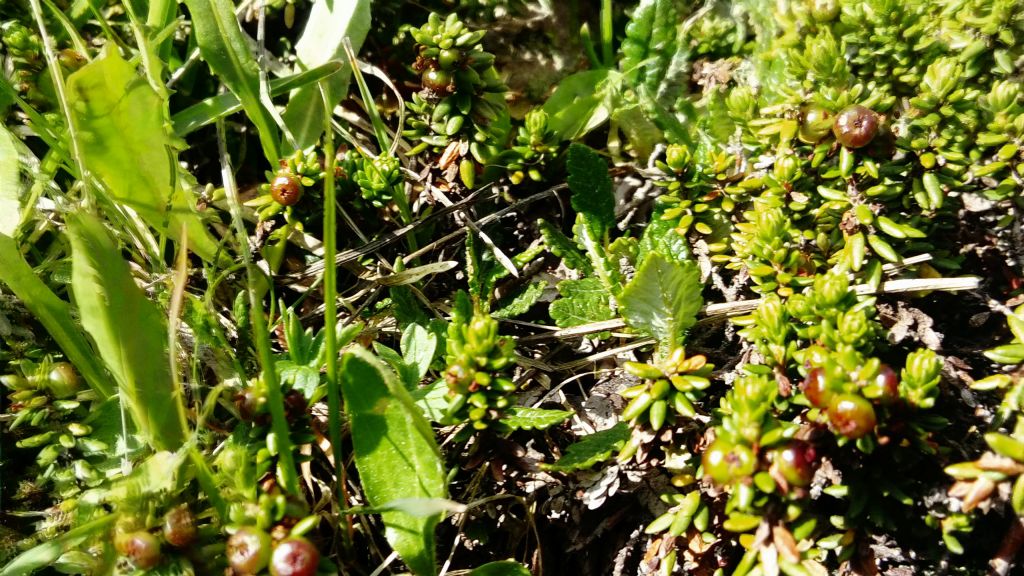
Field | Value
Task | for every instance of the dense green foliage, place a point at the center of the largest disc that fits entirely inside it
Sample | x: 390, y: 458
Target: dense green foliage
x: 254, y: 321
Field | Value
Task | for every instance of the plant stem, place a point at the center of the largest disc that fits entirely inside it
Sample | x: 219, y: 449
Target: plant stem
x: 261, y: 335
x: 331, y: 317
x: 607, y: 53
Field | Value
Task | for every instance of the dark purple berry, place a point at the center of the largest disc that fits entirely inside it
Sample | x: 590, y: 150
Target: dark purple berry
x: 141, y: 548
x: 815, y: 388
x: 437, y: 81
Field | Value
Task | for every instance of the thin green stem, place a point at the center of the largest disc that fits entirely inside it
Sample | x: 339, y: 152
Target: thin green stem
x: 331, y: 315
x: 58, y: 84
x: 261, y: 335
x: 607, y: 52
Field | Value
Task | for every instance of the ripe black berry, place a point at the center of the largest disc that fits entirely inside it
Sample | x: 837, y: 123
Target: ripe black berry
x: 855, y: 126
x: 248, y: 550
x: 295, y: 557
x: 851, y: 415
x: 179, y: 526
x: 141, y: 548
x: 724, y: 461
x: 286, y: 189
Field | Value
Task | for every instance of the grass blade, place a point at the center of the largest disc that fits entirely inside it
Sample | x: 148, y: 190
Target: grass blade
x: 129, y: 330
x: 210, y: 110
x: 48, y: 552
x: 10, y: 183
x: 223, y: 46
x: 53, y: 313
x: 330, y: 23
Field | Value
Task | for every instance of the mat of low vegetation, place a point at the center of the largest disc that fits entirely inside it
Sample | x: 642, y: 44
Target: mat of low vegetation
x: 500, y: 288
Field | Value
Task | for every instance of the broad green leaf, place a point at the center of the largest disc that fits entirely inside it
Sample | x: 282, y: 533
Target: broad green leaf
x: 10, y: 182
x: 592, y: 194
x: 578, y: 106
x: 591, y: 449
x: 520, y: 302
x: 122, y: 125
x: 663, y: 299
x: 501, y: 568
x: 406, y: 373
x: 432, y: 400
x: 54, y: 314
x: 582, y: 302
x: 396, y: 455
x: 419, y: 347
x: 49, y: 551
x: 330, y: 23
x: 560, y: 245
x: 155, y: 476
x: 523, y: 418
x: 130, y: 332
x: 208, y: 111
x: 222, y: 44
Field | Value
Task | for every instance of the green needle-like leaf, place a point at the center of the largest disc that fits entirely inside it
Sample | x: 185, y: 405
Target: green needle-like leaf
x: 396, y: 455
x: 129, y: 330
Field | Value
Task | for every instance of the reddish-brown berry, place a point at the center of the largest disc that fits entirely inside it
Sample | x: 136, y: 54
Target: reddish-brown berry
x: 179, y: 526
x: 815, y: 388
x: 795, y: 462
x: 884, y: 387
x: 295, y: 557
x: 141, y: 548
x: 855, y: 126
x: 851, y: 415
x: 286, y: 189
x: 248, y: 550
x: 437, y: 81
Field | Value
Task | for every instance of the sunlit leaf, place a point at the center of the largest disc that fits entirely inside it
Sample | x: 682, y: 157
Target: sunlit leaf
x: 129, y: 330
x: 396, y: 455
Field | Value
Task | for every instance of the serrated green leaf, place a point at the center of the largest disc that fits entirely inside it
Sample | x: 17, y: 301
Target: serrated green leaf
x: 523, y: 418
x: 582, y: 302
x: 519, y: 302
x: 591, y: 449
x: 223, y: 45
x: 396, y: 455
x: 501, y: 568
x: 651, y: 56
x: 663, y: 299
x: 130, y: 332
x: 322, y: 40
x: 560, y: 245
x: 660, y: 237
x: 591, y: 187
x: 122, y: 124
